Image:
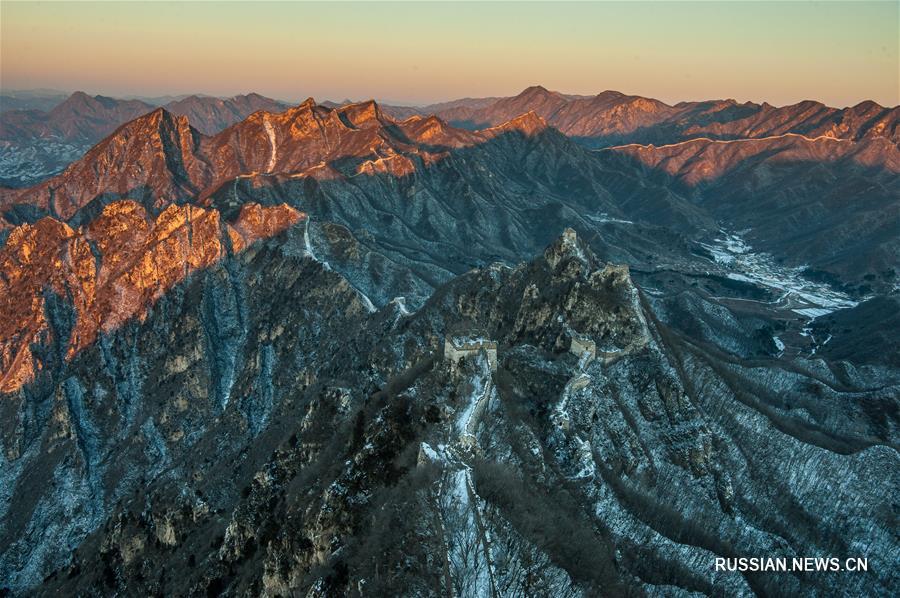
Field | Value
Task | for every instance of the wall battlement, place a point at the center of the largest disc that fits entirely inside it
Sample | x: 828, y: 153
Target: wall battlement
x: 456, y: 349
x: 583, y: 348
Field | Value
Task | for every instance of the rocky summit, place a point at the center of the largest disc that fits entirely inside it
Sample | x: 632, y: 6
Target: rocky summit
x: 546, y: 345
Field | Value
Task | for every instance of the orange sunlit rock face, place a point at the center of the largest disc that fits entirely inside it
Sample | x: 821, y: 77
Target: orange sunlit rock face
x: 159, y: 155
x: 700, y: 160
x: 110, y: 271
x: 528, y: 124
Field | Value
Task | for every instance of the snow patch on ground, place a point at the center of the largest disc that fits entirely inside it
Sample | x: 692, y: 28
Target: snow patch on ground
x: 797, y: 293
x: 30, y: 163
x: 400, y: 302
x: 466, y: 551
x: 270, y: 131
x: 604, y: 218
x: 778, y: 343
x: 370, y: 307
x: 432, y: 454
x: 586, y: 466
x: 307, y: 245
x: 467, y: 420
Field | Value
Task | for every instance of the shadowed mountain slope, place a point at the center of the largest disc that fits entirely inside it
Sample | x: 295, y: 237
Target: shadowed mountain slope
x: 357, y: 455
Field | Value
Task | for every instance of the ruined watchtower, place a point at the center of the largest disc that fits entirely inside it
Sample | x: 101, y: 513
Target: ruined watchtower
x: 584, y: 348
x: 456, y: 348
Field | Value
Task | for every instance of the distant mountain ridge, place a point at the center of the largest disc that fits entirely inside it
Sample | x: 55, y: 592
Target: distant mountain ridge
x: 35, y: 145
x: 611, y: 117
x: 209, y: 115
x: 79, y: 118
x: 161, y: 156
x: 32, y: 99
x: 603, y: 119
x: 82, y: 117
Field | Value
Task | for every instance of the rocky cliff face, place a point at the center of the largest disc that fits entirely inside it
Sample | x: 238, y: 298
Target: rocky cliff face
x: 62, y: 287
x: 276, y: 436
x: 96, y: 424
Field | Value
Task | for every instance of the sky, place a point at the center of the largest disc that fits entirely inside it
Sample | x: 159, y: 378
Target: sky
x: 782, y: 52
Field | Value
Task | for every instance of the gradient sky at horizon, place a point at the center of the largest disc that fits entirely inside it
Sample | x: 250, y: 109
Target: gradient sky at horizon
x: 782, y: 52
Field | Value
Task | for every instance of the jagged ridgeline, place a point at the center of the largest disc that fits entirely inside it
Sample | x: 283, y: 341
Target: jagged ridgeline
x: 527, y: 431
x: 339, y: 350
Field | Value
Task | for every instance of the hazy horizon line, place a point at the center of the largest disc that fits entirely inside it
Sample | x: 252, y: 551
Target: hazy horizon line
x: 300, y: 98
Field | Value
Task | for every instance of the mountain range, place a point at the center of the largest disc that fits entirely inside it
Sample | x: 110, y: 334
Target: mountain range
x: 542, y: 345
x: 34, y: 99
x: 81, y: 117
x: 159, y: 158
x: 609, y: 118
x: 35, y: 144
